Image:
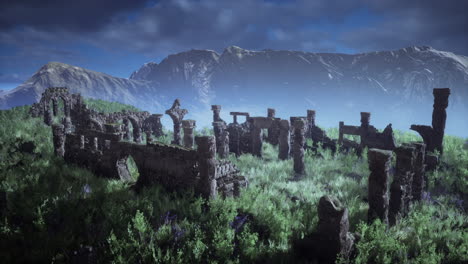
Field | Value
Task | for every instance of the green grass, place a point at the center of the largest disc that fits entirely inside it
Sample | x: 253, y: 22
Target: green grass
x: 108, y: 107
x: 55, y: 212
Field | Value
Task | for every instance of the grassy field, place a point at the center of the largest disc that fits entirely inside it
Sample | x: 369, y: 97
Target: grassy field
x: 58, y: 213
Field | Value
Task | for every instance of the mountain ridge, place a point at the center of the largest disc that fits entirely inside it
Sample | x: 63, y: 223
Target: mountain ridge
x: 390, y: 84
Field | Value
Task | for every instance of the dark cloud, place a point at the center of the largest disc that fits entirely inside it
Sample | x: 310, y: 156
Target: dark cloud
x: 55, y: 29
x: 441, y: 24
x: 51, y: 15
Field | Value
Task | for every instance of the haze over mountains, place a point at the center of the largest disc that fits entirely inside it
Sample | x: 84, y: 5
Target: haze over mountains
x: 396, y: 86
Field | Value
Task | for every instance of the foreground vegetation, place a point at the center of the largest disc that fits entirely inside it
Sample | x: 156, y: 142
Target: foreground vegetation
x: 55, y: 212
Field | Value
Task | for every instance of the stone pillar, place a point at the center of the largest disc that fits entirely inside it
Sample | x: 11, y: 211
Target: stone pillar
x: 257, y: 140
x: 433, y: 136
x: 310, y: 123
x: 216, y: 110
x: 177, y: 115
x: 333, y: 231
x: 157, y: 126
x: 273, y: 130
x: 400, y: 189
x: 298, y: 147
x: 206, y: 150
x: 149, y: 138
x: 54, y: 107
x: 58, y: 139
x: 271, y: 112
x: 48, y: 118
x: 311, y: 117
x: 379, y: 166
x: 127, y: 132
x: 365, y: 119
x: 66, y: 108
x: 188, y: 126
x: 364, y: 129
x: 224, y: 145
x: 419, y: 170
x: 284, y: 140
x: 218, y: 129
x: 439, y: 116
x: 66, y: 121
x: 137, y: 134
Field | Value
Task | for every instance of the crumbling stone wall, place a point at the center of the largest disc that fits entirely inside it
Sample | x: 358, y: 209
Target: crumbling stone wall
x: 239, y: 134
x: 332, y: 238
x: 433, y: 136
x: 177, y: 114
x: 400, y: 189
x: 379, y: 165
x: 317, y: 134
x: 370, y: 136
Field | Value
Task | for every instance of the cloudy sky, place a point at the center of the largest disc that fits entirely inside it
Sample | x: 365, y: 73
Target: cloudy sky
x: 118, y: 36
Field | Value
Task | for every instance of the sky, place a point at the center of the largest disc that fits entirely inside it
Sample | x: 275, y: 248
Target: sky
x: 118, y: 36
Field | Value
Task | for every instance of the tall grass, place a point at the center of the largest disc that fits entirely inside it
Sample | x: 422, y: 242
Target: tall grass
x: 61, y: 213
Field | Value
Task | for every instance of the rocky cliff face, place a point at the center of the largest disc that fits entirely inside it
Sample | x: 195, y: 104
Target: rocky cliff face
x: 395, y: 85
x: 78, y: 80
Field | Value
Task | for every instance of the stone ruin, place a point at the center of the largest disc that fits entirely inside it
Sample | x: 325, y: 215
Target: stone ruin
x: 96, y: 141
x: 317, y: 134
x: 332, y: 237
x: 433, y: 135
x: 400, y: 189
x: 379, y: 166
x: 177, y: 115
x: 298, y: 147
x: 369, y: 135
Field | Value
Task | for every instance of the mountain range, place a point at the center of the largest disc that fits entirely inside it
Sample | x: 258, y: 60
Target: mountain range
x: 396, y: 86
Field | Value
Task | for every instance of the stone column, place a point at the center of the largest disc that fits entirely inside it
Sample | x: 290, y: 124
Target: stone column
x: 284, y: 140
x: 218, y: 129
x: 257, y: 141
x: 188, y: 126
x: 149, y: 138
x: 310, y: 123
x: 157, y: 126
x: 364, y: 129
x: 48, y: 118
x: 137, y: 133
x: 419, y: 170
x: 433, y: 136
x: 58, y: 139
x: 400, y: 189
x: 127, y: 132
x: 365, y: 119
x: 333, y: 230
x: 224, y: 145
x: 54, y: 107
x: 206, y: 150
x: 177, y: 115
x: 273, y: 130
x: 66, y: 121
x: 298, y: 147
x: 439, y: 116
x: 379, y: 166
x: 271, y: 112
x: 216, y: 110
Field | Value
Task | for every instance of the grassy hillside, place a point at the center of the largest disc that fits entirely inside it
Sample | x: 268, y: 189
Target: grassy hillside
x: 55, y: 212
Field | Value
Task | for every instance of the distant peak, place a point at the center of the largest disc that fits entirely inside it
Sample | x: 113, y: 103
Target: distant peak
x: 417, y: 48
x: 234, y: 49
x: 53, y: 64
